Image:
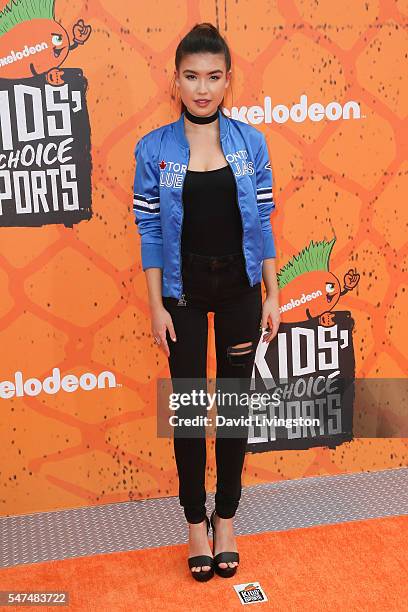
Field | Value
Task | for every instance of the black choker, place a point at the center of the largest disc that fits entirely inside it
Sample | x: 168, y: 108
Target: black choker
x: 195, y: 119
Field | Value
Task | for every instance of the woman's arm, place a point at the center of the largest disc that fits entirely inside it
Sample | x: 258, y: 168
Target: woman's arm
x: 270, y: 307
x: 146, y: 208
x: 154, y: 284
x: 265, y: 202
x: 160, y: 317
x: 269, y: 277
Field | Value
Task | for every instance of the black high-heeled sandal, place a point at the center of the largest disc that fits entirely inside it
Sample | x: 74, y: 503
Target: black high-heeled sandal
x: 223, y: 557
x: 201, y: 560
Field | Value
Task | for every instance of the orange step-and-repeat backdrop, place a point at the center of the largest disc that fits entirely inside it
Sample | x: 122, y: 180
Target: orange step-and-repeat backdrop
x: 80, y: 83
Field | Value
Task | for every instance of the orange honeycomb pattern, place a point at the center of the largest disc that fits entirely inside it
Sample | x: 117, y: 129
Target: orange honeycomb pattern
x: 76, y: 298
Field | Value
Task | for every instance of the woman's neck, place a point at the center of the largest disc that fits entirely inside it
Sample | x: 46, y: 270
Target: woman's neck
x: 200, y: 120
x: 204, y: 130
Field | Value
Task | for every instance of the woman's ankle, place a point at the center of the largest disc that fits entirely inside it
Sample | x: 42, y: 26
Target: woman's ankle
x: 199, y: 523
x: 217, y: 517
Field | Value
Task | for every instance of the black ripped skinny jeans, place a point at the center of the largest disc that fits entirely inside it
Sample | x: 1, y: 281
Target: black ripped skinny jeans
x: 216, y: 284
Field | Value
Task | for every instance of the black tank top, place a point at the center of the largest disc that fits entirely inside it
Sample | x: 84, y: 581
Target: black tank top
x: 212, y: 219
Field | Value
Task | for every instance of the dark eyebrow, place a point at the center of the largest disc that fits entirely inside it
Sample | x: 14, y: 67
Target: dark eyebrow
x: 194, y: 72
x: 55, y: 34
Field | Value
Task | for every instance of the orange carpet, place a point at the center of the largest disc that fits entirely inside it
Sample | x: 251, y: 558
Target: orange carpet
x: 362, y: 565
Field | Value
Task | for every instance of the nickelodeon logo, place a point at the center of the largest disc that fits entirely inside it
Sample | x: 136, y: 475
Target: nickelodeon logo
x: 298, y: 302
x: 54, y: 383
x: 333, y: 111
x: 16, y: 56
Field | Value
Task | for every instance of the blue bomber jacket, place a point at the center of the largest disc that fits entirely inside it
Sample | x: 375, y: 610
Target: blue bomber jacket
x: 162, y: 158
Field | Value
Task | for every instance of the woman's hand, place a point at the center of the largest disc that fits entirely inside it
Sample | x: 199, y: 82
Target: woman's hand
x: 270, y: 317
x: 161, y: 321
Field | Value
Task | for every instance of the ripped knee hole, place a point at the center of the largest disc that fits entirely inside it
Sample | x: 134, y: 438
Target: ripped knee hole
x: 240, y: 354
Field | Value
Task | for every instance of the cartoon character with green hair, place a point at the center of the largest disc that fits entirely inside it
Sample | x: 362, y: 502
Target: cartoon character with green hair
x: 32, y: 42
x: 308, y: 289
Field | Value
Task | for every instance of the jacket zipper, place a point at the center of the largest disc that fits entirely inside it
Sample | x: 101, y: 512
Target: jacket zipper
x: 242, y: 222
x: 182, y: 296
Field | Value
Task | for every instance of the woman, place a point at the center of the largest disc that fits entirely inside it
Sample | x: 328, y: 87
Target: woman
x: 203, y: 197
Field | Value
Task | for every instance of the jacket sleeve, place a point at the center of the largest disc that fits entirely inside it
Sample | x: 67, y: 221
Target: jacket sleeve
x: 264, y: 197
x: 146, y: 207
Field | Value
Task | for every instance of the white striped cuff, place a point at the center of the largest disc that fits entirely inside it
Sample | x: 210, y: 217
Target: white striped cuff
x: 146, y: 205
